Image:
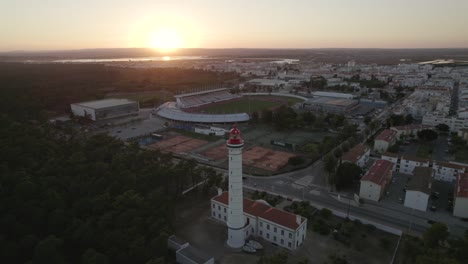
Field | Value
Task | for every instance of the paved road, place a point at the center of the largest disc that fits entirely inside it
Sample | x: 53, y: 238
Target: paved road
x: 310, y: 184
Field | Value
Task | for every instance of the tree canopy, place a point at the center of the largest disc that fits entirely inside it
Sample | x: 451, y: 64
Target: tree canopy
x: 427, y: 135
x: 346, y: 173
x: 68, y: 199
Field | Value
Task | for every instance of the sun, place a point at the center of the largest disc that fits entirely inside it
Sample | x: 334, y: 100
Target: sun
x: 165, y: 40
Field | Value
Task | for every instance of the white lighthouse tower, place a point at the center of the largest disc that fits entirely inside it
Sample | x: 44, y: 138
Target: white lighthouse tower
x: 235, y: 218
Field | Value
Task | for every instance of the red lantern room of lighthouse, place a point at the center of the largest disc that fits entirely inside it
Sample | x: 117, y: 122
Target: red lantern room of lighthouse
x: 235, y: 139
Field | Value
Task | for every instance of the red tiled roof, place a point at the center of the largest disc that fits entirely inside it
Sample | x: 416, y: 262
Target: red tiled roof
x: 378, y: 171
x: 264, y: 211
x: 390, y: 154
x: 414, y: 158
x: 355, y: 153
x: 451, y: 165
x: 386, y: 135
x: 461, y: 188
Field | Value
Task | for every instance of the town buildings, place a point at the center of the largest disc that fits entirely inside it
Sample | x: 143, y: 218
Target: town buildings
x: 384, y: 140
x: 418, y: 190
x: 285, y: 229
x: 105, y: 109
x: 373, y: 183
x: 358, y: 155
x: 443, y: 171
x: 460, y: 205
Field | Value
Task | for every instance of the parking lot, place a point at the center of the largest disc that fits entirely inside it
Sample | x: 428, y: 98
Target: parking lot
x: 438, y: 148
x: 395, y: 195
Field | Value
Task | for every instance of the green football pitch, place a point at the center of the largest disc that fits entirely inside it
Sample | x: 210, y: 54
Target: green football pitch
x: 244, y: 106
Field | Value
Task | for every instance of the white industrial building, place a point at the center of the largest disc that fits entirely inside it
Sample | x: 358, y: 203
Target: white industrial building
x: 460, y: 203
x: 209, y: 130
x: 373, y: 183
x: 105, y: 109
x: 186, y: 253
x: 384, y: 140
x: 333, y: 95
x: 285, y: 229
x: 419, y: 189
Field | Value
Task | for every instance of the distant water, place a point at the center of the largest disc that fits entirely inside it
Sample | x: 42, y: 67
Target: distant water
x: 137, y: 59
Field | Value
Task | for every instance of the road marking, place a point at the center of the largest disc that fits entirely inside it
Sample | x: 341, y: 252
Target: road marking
x: 315, y: 192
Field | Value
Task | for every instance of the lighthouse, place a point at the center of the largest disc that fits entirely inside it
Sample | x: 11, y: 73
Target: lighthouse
x: 235, y: 217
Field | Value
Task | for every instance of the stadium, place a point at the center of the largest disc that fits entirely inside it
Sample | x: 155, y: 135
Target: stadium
x: 219, y: 106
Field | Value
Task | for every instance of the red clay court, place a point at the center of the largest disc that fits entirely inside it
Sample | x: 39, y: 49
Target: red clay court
x: 216, y: 153
x: 178, y: 144
x: 266, y: 159
x: 258, y: 157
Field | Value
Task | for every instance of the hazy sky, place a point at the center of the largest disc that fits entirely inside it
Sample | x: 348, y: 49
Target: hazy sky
x: 76, y: 24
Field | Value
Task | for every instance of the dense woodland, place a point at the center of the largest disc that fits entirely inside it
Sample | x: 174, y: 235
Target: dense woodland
x: 31, y: 90
x: 70, y: 198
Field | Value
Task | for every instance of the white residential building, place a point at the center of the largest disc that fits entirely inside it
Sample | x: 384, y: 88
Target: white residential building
x: 454, y: 123
x: 419, y: 189
x: 277, y: 226
x: 384, y: 140
x: 460, y: 205
x: 409, y: 130
x: 373, y: 183
x: 358, y: 155
x: 447, y: 171
x: 405, y: 164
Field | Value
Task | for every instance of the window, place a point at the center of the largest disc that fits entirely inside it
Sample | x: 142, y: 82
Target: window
x: 261, y: 224
x: 289, y: 244
x: 224, y: 218
x: 282, y: 241
x: 282, y: 232
x: 274, y: 238
x: 274, y: 229
x: 253, y: 230
x: 261, y: 233
x: 224, y: 209
x: 214, y: 214
x: 214, y: 206
x: 290, y: 235
x: 268, y: 226
x: 219, y: 216
x: 268, y: 235
x: 219, y: 207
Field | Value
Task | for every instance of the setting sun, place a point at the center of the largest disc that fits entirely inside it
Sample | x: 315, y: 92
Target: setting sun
x: 165, y: 40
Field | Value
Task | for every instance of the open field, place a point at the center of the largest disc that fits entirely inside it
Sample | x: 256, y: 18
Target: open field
x: 425, y: 151
x: 240, y: 106
x: 247, y: 104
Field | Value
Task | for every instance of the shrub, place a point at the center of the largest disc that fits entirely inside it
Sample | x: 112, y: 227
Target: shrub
x: 325, y: 213
x: 297, y: 160
x: 384, y: 243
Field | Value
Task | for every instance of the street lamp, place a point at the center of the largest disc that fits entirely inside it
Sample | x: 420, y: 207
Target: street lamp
x: 349, y: 207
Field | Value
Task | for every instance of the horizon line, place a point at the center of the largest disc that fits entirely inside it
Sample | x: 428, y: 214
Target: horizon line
x: 232, y: 48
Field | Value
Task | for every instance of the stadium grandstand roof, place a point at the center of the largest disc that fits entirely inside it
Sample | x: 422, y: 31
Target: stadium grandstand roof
x: 201, y: 92
x: 170, y: 111
x: 105, y: 103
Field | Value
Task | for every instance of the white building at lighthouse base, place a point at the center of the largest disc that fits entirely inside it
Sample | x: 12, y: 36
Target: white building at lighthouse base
x: 285, y: 229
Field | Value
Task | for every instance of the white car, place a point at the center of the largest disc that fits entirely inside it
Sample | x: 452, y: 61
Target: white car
x: 249, y: 249
x: 254, y: 244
